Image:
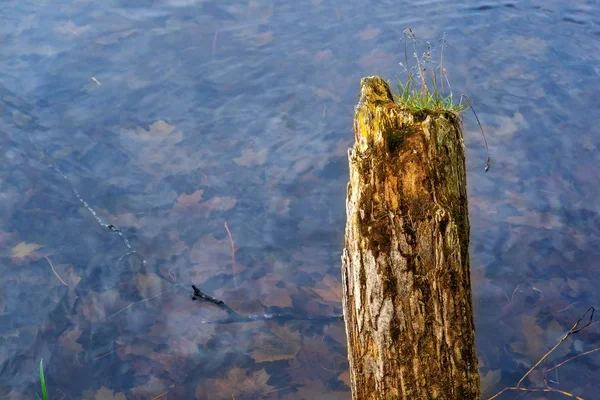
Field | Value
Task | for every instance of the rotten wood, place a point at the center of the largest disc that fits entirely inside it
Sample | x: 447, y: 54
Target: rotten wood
x: 405, y: 266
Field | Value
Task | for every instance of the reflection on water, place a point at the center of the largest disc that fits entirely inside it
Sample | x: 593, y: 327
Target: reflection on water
x: 195, y: 127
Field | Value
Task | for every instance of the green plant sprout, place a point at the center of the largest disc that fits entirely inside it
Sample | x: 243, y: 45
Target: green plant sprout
x: 423, y: 91
x: 43, y: 382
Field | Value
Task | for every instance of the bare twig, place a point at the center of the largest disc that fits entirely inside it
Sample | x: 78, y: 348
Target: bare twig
x: 489, y: 157
x: 441, y: 66
x: 160, y: 396
x: 572, y: 358
x: 574, y: 329
x: 55, y: 273
x: 138, y: 302
x: 232, y: 255
x: 530, y: 390
x: 107, y: 354
x: 571, y: 331
x: 214, y: 43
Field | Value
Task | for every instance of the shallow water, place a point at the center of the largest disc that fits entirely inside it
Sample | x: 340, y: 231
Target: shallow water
x: 182, y: 122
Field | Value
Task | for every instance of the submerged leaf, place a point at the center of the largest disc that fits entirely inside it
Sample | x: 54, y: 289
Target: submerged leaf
x: 489, y: 380
x: 329, y: 289
x: 222, y: 203
x: 250, y: 158
x: 149, y: 390
x: 268, y: 348
x: 105, y: 393
x: 71, y: 29
x: 69, y: 341
x: 236, y: 383
x: 24, y: 250
x: 369, y: 33
x: 187, y: 200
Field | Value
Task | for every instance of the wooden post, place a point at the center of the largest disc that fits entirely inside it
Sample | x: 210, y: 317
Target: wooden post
x: 405, y: 267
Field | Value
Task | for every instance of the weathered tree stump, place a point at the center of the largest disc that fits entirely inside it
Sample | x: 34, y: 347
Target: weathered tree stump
x: 405, y: 267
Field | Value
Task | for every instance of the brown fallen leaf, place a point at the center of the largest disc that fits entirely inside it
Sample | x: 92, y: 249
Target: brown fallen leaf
x: 280, y: 344
x: 329, y: 289
x: 279, y: 205
x: 68, y: 340
x: 160, y: 128
x: 24, y: 250
x: 369, y: 33
x: 104, y: 393
x: 533, y: 46
x: 323, y: 55
x: 315, y: 345
x: 115, y: 37
x: 345, y: 377
x: 325, y: 94
x: 264, y: 38
x: 209, y: 252
x: 149, y: 285
x: 149, y: 390
x: 215, y: 204
x: 128, y: 219
x: 536, y: 220
x: 69, y: 275
x: 375, y: 59
x: 12, y: 395
x: 238, y: 384
x: 71, y: 29
x: 188, y: 200
x: 94, y: 305
x: 315, y: 389
x: 184, y: 330
x: 211, y: 257
x: 508, y: 126
x: 535, y: 345
x: 159, y: 132
x: 489, y: 380
x: 271, y: 291
x: 337, y: 332
x: 267, y: 348
x: 250, y: 158
x: 315, y: 361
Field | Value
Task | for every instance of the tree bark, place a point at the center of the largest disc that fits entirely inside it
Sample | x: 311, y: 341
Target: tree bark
x: 405, y: 266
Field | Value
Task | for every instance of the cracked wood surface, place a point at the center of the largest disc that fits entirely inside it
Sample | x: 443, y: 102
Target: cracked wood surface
x: 405, y: 266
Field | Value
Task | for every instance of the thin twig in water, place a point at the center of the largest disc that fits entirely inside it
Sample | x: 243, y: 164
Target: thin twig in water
x: 110, y: 227
x: 138, y: 302
x: 574, y: 329
x: 160, y: 396
x: 531, y: 390
x: 104, y: 355
x: 489, y: 157
x: 572, y: 358
x: 214, y: 43
x: 55, y: 273
x: 512, y: 298
x: 234, y: 317
x: 232, y: 255
x: 571, y: 331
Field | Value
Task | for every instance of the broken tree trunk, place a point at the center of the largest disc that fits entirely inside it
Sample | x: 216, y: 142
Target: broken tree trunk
x: 405, y: 268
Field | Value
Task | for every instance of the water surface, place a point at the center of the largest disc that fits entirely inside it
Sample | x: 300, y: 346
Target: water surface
x: 177, y: 121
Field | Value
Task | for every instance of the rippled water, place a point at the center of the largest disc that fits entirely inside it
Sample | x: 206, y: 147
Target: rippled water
x: 182, y: 122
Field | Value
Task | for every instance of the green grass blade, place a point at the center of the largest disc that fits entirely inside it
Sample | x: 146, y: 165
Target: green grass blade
x: 43, y: 381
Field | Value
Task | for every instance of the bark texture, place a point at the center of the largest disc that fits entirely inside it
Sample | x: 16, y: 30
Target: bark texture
x: 405, y: 266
